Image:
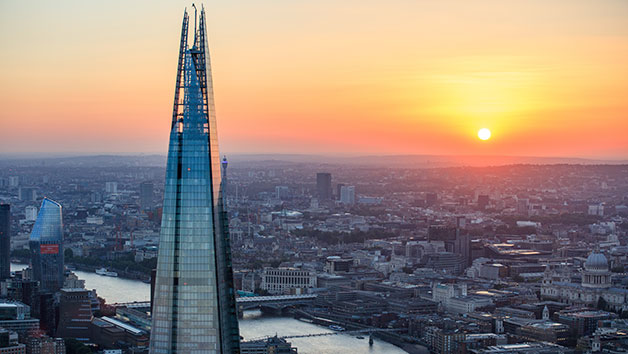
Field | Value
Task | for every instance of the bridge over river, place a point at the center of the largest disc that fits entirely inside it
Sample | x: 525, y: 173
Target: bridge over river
x: 274, y: 303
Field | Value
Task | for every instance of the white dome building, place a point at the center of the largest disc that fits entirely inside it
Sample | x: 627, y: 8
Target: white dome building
x: 596, y: 283
x: 596, y: 273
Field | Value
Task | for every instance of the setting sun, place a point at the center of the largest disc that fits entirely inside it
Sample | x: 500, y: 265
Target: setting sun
x: 484, y: 134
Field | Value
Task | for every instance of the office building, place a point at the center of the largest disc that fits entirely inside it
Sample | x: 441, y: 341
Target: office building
x: 111, y: 187
x: 347, y: 195
x: 43, y: 344
x: 336, y: 264
x: 46, y: 246
x: 146, y: 195
x: 16, y: 316
x: 282, y: 280
x: 75, y: 314
x: 9, y: 343
x: 338, y: 188
x: 14, y: 181
x: 282, y: 192
x: 546, y: 331
x: 31, y: 213
x: 194, y: 307
x: 27, y: 194
x: 323, y: 186
x: 5, y: 241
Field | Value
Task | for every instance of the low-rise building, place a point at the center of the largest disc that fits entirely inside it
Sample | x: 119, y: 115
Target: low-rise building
x: 282, y: 280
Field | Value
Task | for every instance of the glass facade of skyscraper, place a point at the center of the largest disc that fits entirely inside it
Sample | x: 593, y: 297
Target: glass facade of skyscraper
x: 46, y: 245
x: 194, y: 302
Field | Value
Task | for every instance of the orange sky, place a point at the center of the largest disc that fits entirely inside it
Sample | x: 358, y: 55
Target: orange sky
x: 548, y: 78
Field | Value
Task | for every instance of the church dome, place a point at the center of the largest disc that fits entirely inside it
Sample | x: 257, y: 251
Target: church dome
x: 596, y: 262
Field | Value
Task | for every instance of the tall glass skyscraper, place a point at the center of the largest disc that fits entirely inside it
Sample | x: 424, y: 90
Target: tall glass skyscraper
x: 46, y: 245
x: 194, y: 303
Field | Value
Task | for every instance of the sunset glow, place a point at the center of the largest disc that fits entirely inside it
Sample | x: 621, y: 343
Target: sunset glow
x: 324, y: 77
x: 484, y: 134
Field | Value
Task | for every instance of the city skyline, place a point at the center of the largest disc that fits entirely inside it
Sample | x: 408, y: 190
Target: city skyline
x: 407, y: 78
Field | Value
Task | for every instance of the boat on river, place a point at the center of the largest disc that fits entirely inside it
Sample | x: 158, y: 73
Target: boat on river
x: 336, y: 328
x: 105, y: 272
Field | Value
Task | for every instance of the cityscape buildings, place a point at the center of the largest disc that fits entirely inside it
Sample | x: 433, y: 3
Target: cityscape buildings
x: 194, y: 303
x: 402, y: 254
x: 46, y: 247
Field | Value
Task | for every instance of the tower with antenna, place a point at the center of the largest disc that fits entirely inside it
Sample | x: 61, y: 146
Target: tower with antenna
x: 194, y: 307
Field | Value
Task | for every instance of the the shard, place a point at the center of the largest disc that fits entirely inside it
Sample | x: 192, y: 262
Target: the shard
x: 194, y: 306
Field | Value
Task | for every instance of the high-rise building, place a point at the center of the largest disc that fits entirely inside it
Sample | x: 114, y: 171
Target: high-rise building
x: 194, y: 307
x: 5, y: 241
x: 347, y: 195
x: 46, y: 245
x: 338, y: 190
x: 27, y: 194
x: 146, y: 195
x: 14, y: 181
x: 282, y: 192
x: 223, y: 172
x: 111, y: 187
x: 323, y: 185
x: 75, y: 313
x: 31, y: 213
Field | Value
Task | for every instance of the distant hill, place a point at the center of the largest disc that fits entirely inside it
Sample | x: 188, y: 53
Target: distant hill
x: 88, y: 161
x: 396, y: 161
x: 423, y: 161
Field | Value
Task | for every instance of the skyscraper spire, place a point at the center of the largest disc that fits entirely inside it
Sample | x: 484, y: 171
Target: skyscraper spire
x: 194, y: 307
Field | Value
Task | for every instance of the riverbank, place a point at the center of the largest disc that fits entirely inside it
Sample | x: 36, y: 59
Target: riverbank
x: 253, y: 325
x: 122, y: 273
x: 112, y: 289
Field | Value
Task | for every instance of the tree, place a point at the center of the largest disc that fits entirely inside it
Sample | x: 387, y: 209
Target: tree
x: 73, y: 346
x: 68, y: 254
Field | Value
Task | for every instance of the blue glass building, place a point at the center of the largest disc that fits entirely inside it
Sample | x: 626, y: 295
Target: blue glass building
x: 46, y: 245
x: 194, y: 303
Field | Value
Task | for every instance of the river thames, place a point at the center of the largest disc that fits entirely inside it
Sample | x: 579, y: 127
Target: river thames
x: 252, y: 326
